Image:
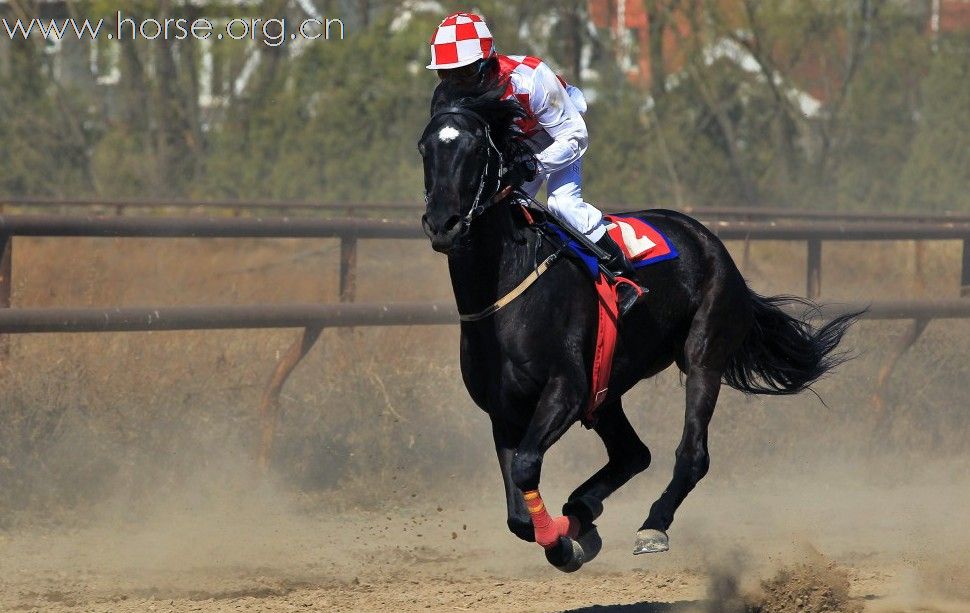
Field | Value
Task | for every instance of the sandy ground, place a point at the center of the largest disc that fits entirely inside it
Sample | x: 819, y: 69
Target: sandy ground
x: 803, y: 535
x: 899, y: 548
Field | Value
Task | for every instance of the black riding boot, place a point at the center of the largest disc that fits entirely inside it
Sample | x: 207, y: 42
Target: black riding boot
x: 618, y: 264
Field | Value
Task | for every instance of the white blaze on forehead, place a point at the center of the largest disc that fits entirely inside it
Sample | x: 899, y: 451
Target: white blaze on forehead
x: 447, y: 134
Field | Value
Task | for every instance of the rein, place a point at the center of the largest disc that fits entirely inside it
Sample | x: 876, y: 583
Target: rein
x: 480, y: 205
x: 515, y: 293
x: 527, y: 282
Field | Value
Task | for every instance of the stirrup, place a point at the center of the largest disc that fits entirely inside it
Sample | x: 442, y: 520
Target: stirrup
x: 628, y: 294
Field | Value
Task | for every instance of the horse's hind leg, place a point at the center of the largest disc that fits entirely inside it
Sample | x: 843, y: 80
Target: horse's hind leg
x: 692, y: 460
x: 715, y: 333
x: 627, y: 457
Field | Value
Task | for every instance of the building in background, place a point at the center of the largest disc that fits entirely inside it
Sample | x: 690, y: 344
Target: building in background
x: 643, y: 36
x: 949, y: 16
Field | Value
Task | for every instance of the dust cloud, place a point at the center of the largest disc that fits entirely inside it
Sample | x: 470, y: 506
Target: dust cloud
x: 128, y: 479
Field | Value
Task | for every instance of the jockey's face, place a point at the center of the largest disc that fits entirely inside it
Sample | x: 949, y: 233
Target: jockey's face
x: 463, y: 76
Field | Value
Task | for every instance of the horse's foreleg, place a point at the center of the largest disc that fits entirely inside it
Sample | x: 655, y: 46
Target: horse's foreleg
x: 506, y: 441
x: 559, y: 407
x: 692, y: 460
x: 627, y: 457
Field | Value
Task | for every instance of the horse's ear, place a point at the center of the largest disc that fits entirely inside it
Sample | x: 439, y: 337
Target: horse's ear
x: 438, y: 98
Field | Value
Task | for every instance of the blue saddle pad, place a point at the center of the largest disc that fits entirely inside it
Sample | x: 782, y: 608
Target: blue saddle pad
x: 642, y: 243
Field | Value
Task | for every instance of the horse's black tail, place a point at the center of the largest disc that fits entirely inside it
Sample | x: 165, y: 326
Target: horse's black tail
x: 783, y: 354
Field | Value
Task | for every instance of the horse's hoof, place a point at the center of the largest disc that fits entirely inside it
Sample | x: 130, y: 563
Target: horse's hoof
x: 567, y: 555
x: 650, y: 541
x: 591, y: 543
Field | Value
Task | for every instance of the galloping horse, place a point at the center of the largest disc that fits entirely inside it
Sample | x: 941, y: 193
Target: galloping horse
x: 528, y: 363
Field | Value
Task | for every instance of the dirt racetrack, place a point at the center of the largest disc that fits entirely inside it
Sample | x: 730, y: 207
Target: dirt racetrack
x: 127, y: 482
x: 844, y: 547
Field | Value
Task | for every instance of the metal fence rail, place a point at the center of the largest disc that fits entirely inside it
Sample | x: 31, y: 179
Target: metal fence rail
x: 205, y: 227
x: 290, y: 227
x: 121, y: 207
x: 349, y: 231
x: 141, y: 319
x: 315, y: 318
x: 169, y: 318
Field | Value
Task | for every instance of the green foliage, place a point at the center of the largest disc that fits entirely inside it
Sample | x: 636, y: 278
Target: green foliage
x: 41, y: 149
x: 338, y: 121
x: 878, y: 123
x: 614, y: 168
x: 937, y: 173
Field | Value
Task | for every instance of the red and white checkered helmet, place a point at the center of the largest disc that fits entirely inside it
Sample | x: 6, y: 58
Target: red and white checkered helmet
x: 461, y: 39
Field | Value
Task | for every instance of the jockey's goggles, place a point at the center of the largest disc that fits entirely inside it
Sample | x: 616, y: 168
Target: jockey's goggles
x: 463, y: 75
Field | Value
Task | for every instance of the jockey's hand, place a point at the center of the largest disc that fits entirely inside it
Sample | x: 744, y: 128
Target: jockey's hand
x: 503, y: 193
x: 519, y: 173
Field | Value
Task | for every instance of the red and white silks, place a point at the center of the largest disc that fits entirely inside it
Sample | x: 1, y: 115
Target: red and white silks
x: 554, y: 123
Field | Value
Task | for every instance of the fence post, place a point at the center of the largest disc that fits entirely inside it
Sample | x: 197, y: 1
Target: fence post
x: 348, y: 268
x: 919, y: 267
x: 965, y: 271
x: 6, y: 284
x: 907, y: 340
x: 813, y: 274
x: 269, y: 404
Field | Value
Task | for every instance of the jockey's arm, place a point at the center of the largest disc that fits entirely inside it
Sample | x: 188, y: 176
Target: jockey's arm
x: 558, y: 115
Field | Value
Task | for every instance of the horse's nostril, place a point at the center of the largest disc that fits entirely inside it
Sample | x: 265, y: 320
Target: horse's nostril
x: 451, y: 223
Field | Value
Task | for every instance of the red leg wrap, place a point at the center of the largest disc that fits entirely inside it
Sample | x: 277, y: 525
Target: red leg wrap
x: 548, y: 529
x: 567, y: 525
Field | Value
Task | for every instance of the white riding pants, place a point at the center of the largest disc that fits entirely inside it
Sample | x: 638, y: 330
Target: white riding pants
x: 565, y: 200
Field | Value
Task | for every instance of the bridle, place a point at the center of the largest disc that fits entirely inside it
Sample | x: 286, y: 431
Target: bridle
x: 484, y: 199
x: 493, y: 156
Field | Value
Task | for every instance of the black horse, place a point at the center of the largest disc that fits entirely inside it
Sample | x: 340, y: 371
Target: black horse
x: 528, y: 364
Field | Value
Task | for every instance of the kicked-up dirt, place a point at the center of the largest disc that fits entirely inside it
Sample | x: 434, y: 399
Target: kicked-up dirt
x: 123, y: 487
x: 819, y: 543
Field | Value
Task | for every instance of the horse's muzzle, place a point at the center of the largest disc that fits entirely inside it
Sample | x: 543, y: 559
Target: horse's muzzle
x: 443, y: 238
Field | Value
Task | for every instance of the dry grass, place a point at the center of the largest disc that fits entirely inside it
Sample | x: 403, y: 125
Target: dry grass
x: 382, y: 412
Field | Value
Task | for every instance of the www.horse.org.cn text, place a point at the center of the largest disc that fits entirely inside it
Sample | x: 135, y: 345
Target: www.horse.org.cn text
x: 271, y: 32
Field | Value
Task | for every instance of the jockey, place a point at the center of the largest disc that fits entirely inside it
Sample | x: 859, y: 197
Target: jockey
x: 463, y: 53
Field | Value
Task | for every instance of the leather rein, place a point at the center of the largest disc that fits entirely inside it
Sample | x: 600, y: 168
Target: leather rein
x: 481, y: 204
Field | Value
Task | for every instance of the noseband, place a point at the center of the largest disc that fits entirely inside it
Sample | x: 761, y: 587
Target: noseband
x: 492, y: 156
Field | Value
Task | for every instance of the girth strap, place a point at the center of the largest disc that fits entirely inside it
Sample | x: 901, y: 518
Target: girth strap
x: 515, y: 293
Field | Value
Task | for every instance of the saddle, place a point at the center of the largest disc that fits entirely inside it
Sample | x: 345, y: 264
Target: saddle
x: 643, y: 245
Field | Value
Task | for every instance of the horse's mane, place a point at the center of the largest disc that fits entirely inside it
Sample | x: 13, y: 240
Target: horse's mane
x: 486, y: 99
